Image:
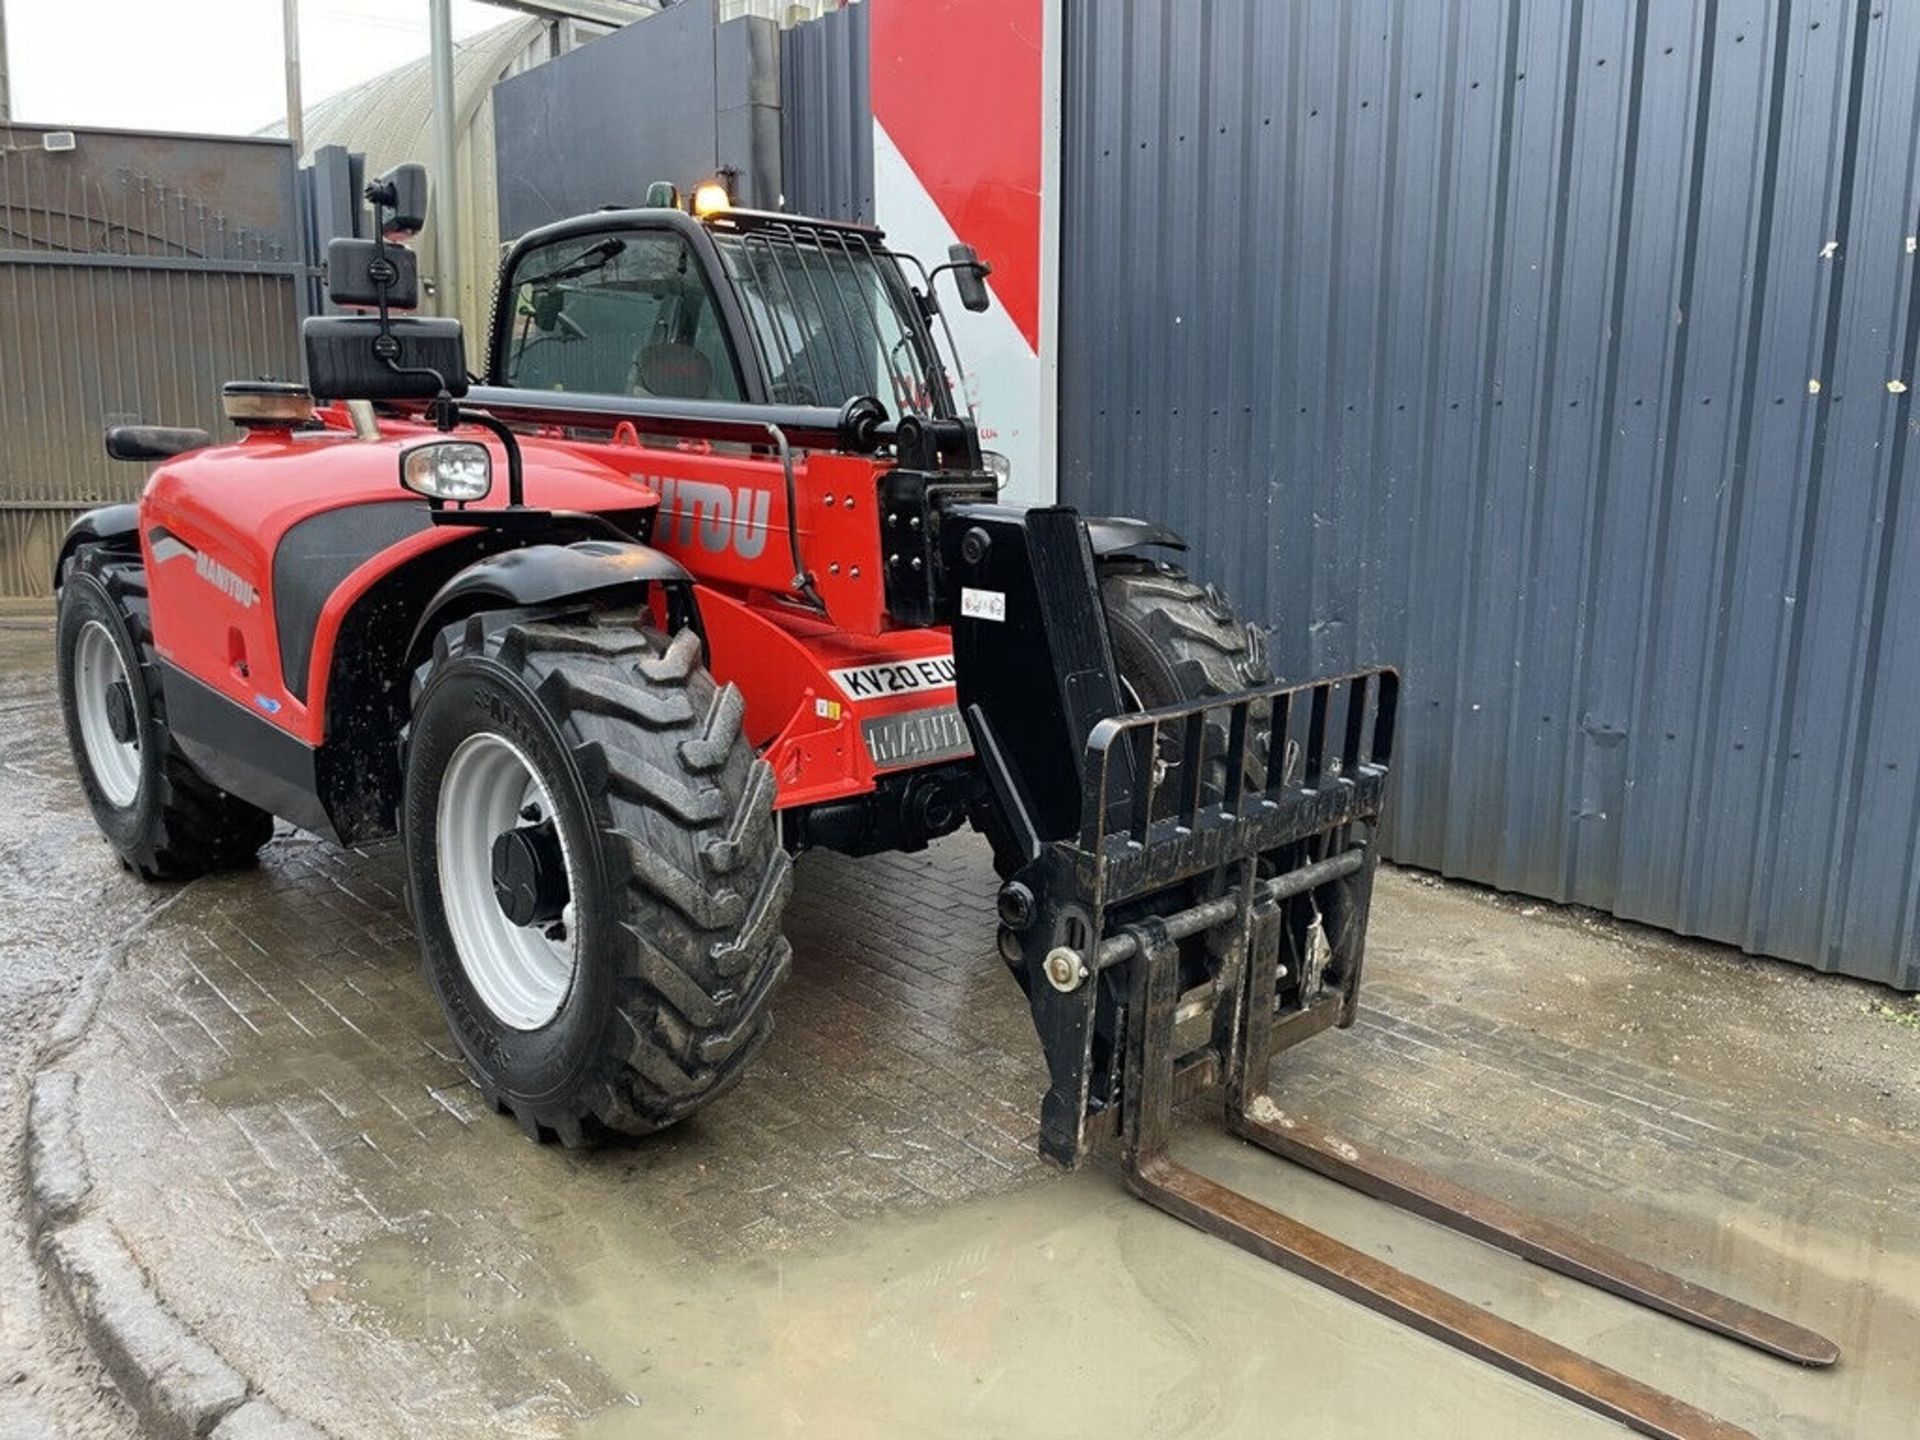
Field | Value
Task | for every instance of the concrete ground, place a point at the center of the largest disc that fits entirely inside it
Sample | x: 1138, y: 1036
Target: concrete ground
x: 859, y: 1240
x: 62, y: 896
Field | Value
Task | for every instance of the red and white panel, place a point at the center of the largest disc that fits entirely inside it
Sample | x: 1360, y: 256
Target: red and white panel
x: 961, y: 99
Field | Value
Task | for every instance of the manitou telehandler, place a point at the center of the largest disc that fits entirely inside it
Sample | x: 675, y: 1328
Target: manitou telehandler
x: 748, y: 588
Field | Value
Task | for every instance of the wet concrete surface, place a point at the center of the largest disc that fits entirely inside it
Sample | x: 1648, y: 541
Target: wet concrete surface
x: 859, y: 1241
x: 62, y: 896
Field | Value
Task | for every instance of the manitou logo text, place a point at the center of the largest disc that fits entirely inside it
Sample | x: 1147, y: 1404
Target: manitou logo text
x: 168, y: 546
x: 721, y: 517
x: 223, y: 579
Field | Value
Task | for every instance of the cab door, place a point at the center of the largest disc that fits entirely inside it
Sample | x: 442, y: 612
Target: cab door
x: 625, y: 311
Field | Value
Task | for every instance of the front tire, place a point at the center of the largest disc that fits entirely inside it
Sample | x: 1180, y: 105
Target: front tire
x: 167, y: 820
x: 1176, y: 641
x: 613, y: 970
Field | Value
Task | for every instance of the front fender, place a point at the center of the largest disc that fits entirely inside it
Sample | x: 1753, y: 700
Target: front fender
x: 545, y: 574
x: 114, y: 524
x: 1109, y: 534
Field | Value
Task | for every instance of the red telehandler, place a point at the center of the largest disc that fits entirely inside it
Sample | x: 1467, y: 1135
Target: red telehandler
x: 748, y: 588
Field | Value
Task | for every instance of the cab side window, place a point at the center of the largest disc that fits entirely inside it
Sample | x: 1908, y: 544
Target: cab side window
x: 624, y: 313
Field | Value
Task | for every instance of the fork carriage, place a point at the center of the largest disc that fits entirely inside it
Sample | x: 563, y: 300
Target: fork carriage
x: 1182, y: 946
x: 1261, y: 889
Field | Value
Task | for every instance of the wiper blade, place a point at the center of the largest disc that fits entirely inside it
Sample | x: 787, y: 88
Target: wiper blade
x: 595, y: 257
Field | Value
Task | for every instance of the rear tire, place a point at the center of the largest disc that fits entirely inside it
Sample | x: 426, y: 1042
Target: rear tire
x: 674, y: 878
x: 167, y: 820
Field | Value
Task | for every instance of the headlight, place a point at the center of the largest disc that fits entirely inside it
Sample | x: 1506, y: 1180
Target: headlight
x: 448, y: 470
x: 1001, y: 467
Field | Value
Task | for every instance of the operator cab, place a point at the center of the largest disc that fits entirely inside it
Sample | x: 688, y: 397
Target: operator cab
x: 721, y: 304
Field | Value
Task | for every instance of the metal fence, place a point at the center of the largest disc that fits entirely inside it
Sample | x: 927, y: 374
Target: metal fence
x: 138, y: 273
x: 1562, y: 353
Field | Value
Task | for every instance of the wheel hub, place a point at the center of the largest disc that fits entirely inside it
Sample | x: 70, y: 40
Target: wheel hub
x: 119, y: 700
x: 108, y: 718
x: 530, y: 874
x: 505, y: 881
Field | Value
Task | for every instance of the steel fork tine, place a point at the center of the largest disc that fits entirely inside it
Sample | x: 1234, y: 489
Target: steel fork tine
x: 1551, y: 1246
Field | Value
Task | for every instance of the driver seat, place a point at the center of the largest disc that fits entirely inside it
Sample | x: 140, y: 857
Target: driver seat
x: 672, y: 370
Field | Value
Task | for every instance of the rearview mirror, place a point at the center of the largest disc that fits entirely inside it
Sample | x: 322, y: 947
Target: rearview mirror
x: 362, y: 272
x: 402, y: 194
x: 349, y: 357
x: 547, y: 305
x: 970, y: 277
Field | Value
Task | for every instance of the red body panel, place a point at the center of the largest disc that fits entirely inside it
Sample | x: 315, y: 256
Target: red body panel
x: 213, y: 610
x: 807, y: 723
x: 722, y: 513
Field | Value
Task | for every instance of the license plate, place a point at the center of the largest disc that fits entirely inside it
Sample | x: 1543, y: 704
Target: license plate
x: 917, y: 737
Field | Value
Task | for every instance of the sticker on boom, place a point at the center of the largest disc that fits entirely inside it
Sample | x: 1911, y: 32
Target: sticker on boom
x: 901, y: 677
x: 983, y: 604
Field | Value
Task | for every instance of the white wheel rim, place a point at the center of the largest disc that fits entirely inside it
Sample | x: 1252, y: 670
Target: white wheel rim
x: 97, y: 667
x: 520, y: 974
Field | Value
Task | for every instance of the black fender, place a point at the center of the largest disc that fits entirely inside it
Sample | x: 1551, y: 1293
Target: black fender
x: 1109, y: 534
x: 118, y: 525
x: 545, y: 574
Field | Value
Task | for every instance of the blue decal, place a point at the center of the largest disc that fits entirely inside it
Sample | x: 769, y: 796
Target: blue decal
x: 267, y: 703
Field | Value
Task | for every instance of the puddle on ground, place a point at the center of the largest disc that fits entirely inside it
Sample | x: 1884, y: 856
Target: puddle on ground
x: 1069, y: 1308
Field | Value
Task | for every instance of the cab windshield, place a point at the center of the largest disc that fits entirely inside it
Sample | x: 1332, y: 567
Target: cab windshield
x: 832, y: 318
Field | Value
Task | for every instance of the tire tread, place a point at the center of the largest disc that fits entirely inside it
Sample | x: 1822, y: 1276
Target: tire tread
x: 685, y: 811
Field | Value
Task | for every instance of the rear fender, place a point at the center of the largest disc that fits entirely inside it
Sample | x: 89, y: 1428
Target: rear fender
x: 117, y: 525
x: 545, y: 575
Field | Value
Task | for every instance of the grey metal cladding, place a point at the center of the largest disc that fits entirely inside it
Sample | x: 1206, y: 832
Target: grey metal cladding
x: 677, y: 96
x: 827, y: 115
x: 1553, y: 351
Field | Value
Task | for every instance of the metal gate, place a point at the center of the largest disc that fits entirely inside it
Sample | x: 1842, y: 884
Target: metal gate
x: 138, y: 272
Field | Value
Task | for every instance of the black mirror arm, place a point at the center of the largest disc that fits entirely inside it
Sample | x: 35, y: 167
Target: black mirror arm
x: 930, y: 307
x: 447, y: 413
x: 516, y: 482
x: 979, y: 267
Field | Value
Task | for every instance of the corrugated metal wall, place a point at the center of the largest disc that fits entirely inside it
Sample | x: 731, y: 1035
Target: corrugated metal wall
x: 826, y: 133
x: 1560, y: 353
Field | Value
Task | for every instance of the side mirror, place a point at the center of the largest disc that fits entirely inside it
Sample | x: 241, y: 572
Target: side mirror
x: 368, y: 357
x: 376, y: 357
x: 363, y: 272
x: 970, y: 277
x: 402, y: 194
